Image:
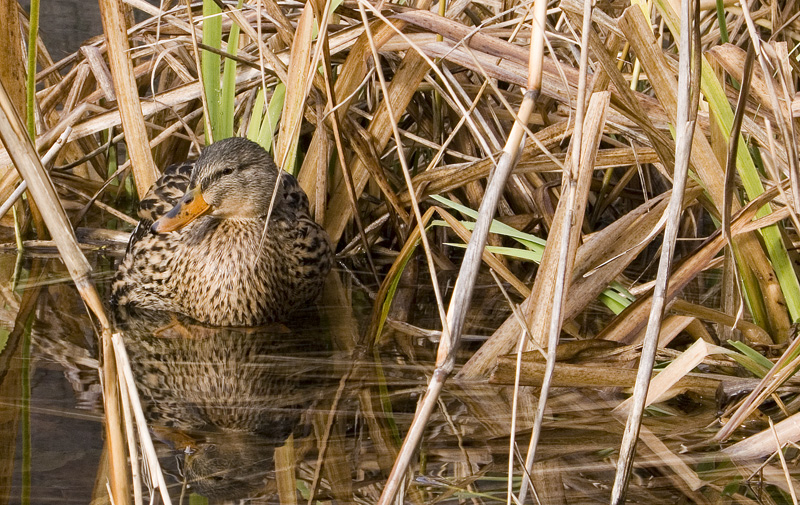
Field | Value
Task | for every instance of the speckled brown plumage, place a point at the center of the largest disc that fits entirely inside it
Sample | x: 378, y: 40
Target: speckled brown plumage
x: 224, y: 268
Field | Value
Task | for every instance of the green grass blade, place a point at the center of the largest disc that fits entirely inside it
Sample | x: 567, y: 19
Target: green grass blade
x: 255, y: 116
x: 616, y: 297
x: 196, y: 499
x: 3, y: 339
x: 270, y: 123
x: 752, y: 360
x: 210, y: 62
x: 497, y: 227
x: 229, y: 84
x: 723, y: 25
x: 510, y: 252
x: 622, y: 291
x: 30, y: 83
x: 752, y: 354
x: 614, y: 301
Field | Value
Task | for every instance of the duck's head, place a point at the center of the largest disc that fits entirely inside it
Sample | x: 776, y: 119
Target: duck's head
x: 232, y: 178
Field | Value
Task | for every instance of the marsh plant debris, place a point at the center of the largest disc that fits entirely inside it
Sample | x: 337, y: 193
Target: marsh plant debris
x: 612, y: 157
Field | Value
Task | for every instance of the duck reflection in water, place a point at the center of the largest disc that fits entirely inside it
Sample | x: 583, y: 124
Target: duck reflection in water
x: 225, y: 398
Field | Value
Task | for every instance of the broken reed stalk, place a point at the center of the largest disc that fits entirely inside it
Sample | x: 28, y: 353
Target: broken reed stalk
x: 130, y: 110
x: 570, y: 177
x: 46, y: 159
x: 24, y: 156
x: 462, y: 292
x: 148, y: 449
x: 688, y: 97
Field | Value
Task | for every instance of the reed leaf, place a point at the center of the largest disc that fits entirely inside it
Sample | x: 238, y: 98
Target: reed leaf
x: 30, y: 82
x: 210, y: 62
x: 269, y: 125
x: 228, y: 91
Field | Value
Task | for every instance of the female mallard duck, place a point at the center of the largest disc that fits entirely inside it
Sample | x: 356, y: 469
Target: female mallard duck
x: 214, y: 256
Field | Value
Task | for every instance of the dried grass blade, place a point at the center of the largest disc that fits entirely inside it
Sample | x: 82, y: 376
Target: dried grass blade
x: 785, y: 468
x: 676, y: 464
x: 488, y: 257
x: 296, y: 91
x: 148, y: 449
x: 553, y: 277
x: 46, y: 159
x: 130, y: 110
x: 402, y: 88
x: 392, y: 117
x: 785, y: 367
x: 460, y: 301
x: 627, y: 324
x: 567, y: 375
x: 369, y: 159
x: 389, y: 285
x: 169, y: 99
x: 285, y: 472
x: 622, y: 241
x: 763, y: 444
x: 351, y: 74
x: 12, y: 71
x: 662, y: 387
x: 448, y: 178
x: 752, y: 332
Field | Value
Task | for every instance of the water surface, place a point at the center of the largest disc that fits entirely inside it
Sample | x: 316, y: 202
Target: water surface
x: 235, y: 411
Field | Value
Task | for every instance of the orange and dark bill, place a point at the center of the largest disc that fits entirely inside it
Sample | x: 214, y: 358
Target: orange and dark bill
x: 191, y: 206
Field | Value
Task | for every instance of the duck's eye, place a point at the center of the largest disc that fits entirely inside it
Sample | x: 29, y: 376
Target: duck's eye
x: 227, y: 171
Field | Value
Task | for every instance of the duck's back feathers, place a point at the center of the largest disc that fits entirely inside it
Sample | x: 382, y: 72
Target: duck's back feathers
x: 166, y: 191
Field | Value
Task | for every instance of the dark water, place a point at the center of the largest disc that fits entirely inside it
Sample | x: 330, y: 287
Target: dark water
x: 65, y: 24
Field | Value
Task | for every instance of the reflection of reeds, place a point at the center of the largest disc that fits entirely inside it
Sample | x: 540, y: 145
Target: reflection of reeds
x: 376, y: 109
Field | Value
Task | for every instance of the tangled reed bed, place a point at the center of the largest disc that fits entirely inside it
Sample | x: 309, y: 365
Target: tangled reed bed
x: 451, y: 82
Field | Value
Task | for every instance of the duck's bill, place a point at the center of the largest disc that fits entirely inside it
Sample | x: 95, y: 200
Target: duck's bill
x: 191, y: 206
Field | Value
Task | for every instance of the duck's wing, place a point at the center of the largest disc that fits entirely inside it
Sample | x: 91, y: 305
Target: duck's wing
x: 160, y: 198
x: 295, y: 201
x: 166, y: 191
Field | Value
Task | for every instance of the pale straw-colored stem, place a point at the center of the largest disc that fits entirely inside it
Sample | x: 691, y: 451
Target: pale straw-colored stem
x: 683, y: 148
